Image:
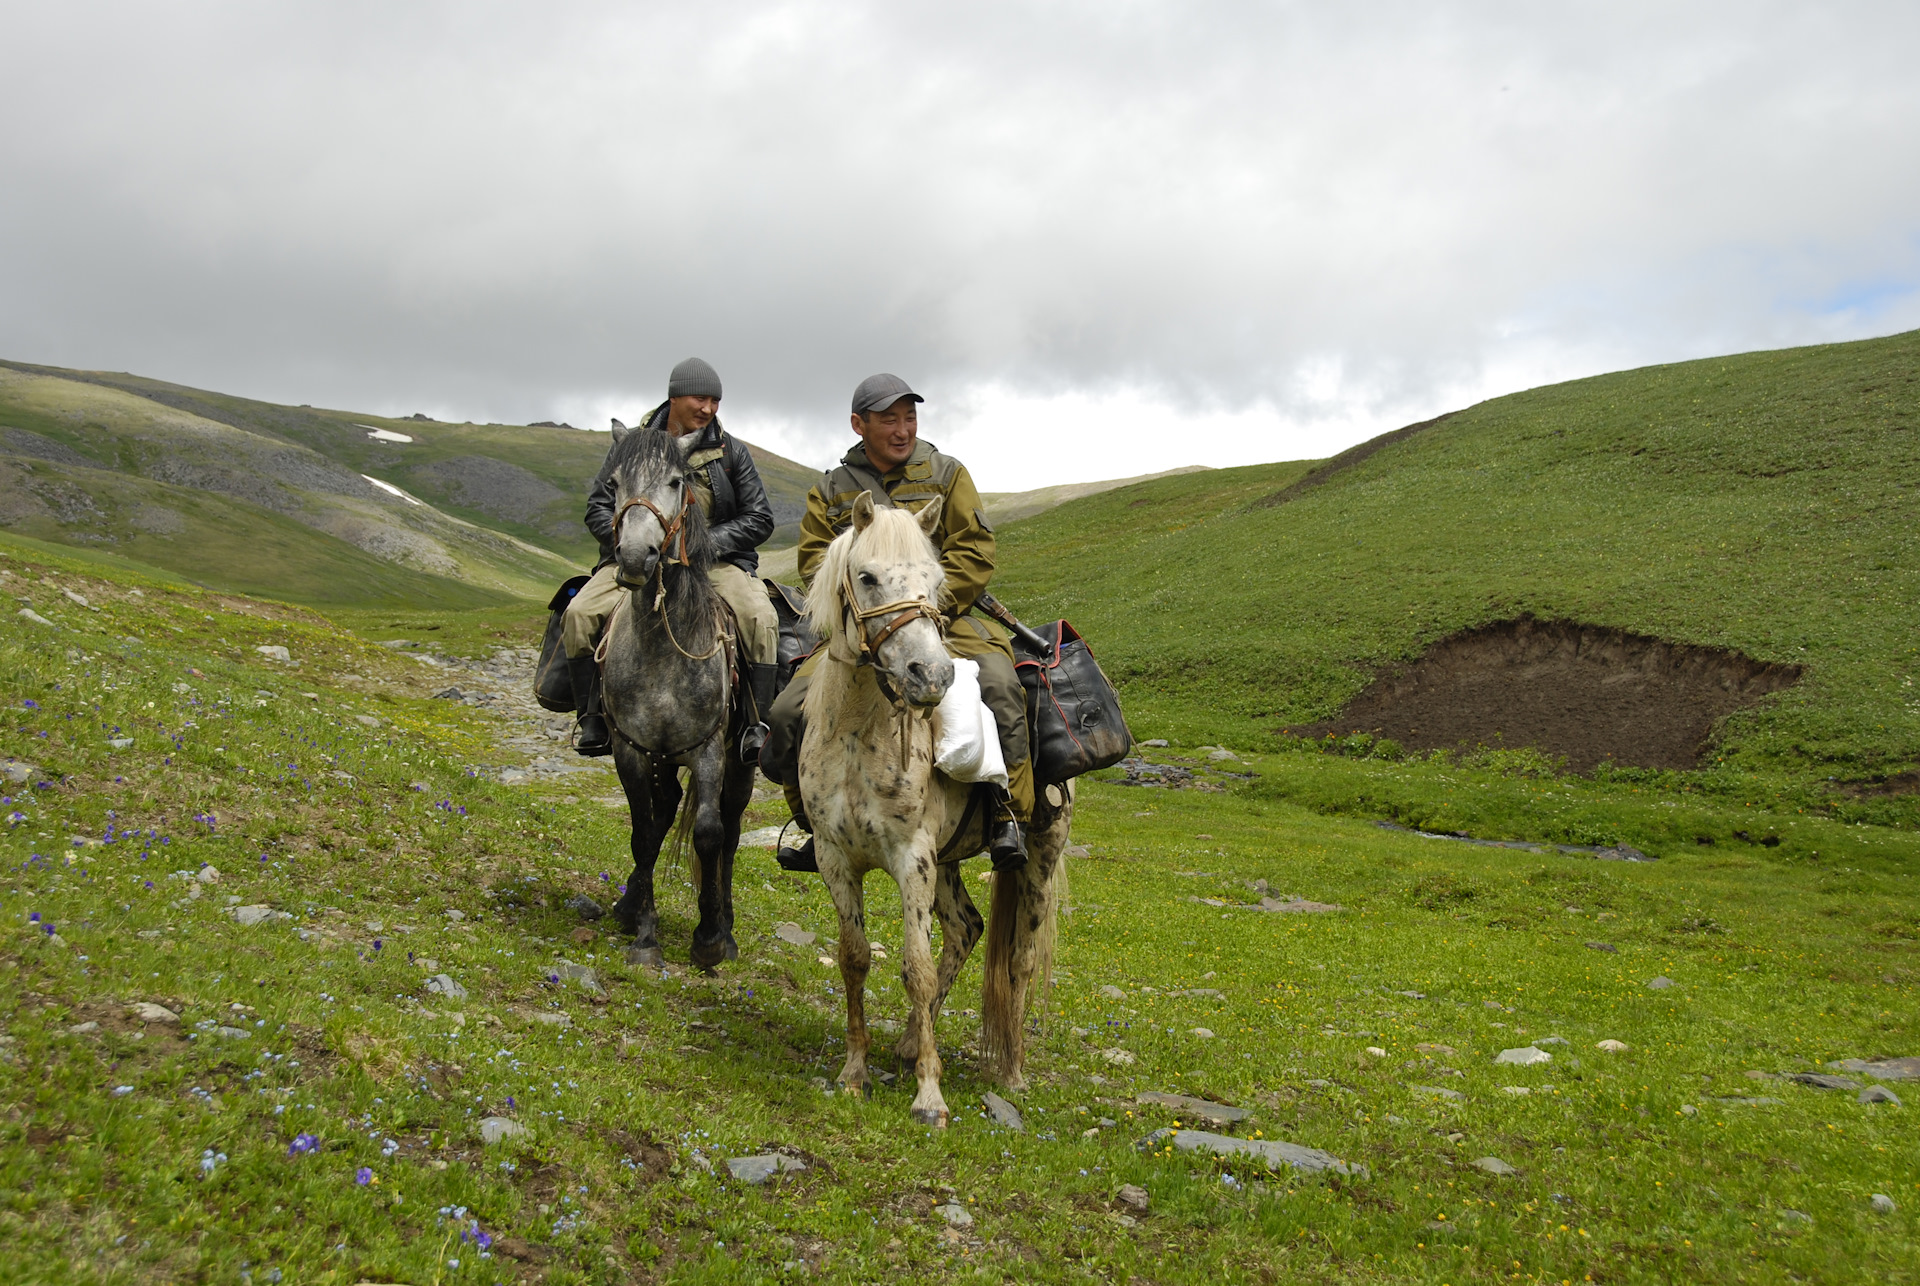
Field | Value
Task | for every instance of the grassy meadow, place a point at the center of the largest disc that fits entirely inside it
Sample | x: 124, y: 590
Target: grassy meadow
x: 313, y: 1115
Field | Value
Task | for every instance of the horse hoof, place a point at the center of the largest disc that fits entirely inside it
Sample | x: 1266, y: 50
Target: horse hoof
x: 705, y: 958
x: 647, y: 957
x: 730, y: 950
x: 936, y: 1117
x: 863, y: 1088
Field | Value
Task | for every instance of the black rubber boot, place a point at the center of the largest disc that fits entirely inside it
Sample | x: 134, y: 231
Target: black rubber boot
x: 761, y: 681
x: 592, y: 739
x: 1006, y: 847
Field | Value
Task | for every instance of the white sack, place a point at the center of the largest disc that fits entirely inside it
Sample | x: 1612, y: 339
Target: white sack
x: 969, y: 746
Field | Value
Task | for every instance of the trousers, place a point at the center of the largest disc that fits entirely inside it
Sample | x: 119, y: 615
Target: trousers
x: 752, y: 612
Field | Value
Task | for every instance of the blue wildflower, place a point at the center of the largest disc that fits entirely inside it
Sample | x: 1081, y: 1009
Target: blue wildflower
x: 363, y: 1176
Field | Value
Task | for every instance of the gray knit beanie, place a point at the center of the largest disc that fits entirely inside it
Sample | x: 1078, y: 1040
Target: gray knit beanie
x: 693, y: 378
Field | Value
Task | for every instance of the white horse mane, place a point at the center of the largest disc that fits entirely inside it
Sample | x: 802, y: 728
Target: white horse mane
x: 892, y: 537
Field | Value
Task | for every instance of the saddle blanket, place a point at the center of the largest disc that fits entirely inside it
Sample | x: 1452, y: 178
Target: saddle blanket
x: 968, y: 748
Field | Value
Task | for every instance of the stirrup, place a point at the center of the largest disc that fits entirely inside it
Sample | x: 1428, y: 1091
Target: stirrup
x: 800, y: 860
x: 1007, y: 849
x: 752, y: 741
x: 585, y: 742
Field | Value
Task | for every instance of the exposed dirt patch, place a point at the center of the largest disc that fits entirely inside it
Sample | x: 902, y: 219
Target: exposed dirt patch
x: 1586, y: 692
x: 1906, y: 783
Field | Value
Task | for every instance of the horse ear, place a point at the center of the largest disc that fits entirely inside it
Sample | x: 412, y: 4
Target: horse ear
x: 620, y: 431
x: 929, y: 516
x: 862, y: 512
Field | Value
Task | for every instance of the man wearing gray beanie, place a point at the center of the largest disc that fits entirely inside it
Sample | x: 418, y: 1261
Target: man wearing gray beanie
x: 728, y: 490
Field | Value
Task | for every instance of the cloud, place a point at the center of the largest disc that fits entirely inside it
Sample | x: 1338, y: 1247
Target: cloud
x: 1282, y: 227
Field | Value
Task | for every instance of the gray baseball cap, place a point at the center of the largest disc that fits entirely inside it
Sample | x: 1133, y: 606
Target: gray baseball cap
x: 878, y: 392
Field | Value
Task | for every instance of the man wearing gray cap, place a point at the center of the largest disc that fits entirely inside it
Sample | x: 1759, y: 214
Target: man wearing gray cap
x: 727, y: 488
x: 891, y: 464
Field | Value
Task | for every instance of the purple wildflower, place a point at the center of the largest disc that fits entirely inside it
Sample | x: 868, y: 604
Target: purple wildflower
x: 33, y: 917
x: 30, y: 703
x: 363, y: 1176
x: 302, y: 1143
x: 376, y: 944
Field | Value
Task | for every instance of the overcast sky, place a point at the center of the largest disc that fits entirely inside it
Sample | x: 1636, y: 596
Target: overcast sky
x: 1102, y: 238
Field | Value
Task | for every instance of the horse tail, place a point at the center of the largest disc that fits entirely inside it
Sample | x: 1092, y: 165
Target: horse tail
x: 683, y: 846
x: 1022, y: 928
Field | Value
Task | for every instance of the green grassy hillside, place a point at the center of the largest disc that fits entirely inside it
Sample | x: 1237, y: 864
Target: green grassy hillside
x: 1764, y: 502
x: 505, y: 500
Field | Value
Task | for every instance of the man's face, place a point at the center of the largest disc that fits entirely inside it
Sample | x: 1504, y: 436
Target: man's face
x: 890, y: 434
x: 690, y: 414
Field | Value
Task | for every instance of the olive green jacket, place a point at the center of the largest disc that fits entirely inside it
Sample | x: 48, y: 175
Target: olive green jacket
x: 965, y: 538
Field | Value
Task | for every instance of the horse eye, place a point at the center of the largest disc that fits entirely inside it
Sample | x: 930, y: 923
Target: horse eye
x: 867, y: 579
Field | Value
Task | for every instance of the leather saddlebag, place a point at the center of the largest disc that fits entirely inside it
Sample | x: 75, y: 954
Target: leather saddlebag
x: 1073, y: 713
x: 552, y: 686
x: 797, y: 642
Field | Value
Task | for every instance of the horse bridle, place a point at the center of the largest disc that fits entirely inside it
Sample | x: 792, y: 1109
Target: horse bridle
x: 904, y: 611
x: 669, y: 531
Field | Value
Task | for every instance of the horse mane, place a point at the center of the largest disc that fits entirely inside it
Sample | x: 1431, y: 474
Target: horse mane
x: 893, y: 536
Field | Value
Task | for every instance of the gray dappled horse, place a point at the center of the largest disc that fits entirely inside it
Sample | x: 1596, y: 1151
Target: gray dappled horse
x: 877, y: 803
x: 666, y: 688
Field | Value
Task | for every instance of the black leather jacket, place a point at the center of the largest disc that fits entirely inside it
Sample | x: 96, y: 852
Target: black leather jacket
x: 740, y: 520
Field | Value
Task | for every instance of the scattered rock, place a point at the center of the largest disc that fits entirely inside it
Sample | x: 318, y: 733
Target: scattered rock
x: 1118, y: 1057
x: 1821, y: 1081
x: 1297, y: 905
x: 1603, y: 946
x: 75, y: 598
x: 494, y: 1129
x: 443, y: 985
x: 1274, y: 1152
x: 81, y: 1029
x: 274, y: 652
x: 1661, y: 984
x: 765, y: 837
x: 1553, y: 1040
x: 789, y: 932
x: 15, y: 772
x: 1158, y: 743
x: 1132, y: 1194
x: 1612, y: 1046
x: 1492, y: 1165
x: 148, y: 1012
x: 1795, y: 1216
x: 1885, y: 1069
x: 1883, y: 1204
x: 1516, y: 1089
x: 1879, y: 1094
x: 585, y: 907
x: 1112, y: 992
x: 1223, y: 755
x: 1750, y: 1102
x: 1203, y: 1033
x: 1204, y: 1109
x: 1436, y: 1091
x: 1376, y: 1052
x: 1527, y: 1056
x: 366, y: 720
x: 208, y: 875
x: 587, y: 979
x: 758, y: 1169
x: 1425, y: 1047
x: 234, y: 1033
x: 582, y: 935
x: 36, y: 618
x: 1003, y: 1113
x: 248, y: 916
x: 955, y: 1214
x: 120, y: 743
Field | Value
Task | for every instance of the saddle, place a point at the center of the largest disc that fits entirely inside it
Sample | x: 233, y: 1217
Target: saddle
x: 553, y: 686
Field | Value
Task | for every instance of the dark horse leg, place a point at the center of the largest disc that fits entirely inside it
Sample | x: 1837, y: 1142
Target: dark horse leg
x: 653, y: 797
x: 715, y: 836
